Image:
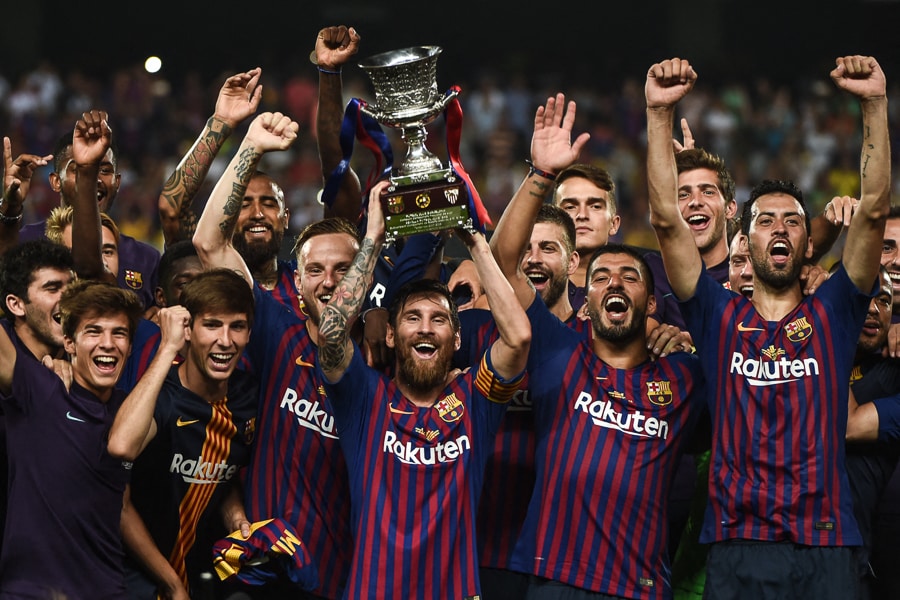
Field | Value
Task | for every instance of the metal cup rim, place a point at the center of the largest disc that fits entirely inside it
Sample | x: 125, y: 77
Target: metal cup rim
x: 378, y: 61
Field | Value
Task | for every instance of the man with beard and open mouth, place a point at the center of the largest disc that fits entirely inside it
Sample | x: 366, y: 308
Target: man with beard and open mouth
x: 778, y: 364
x: 416, y: 444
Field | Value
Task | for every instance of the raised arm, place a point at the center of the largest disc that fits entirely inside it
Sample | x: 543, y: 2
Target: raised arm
x: 552, y: 150
x: 667, y: 83
x: 134, y: 425
x: 510, y: 352
x: 238, y: 99
x: 861, y: 76
x: 90, y: 142
x: 16, y: 183
x: 334, y: 47
x: 335, y: 347
x: 212, y: 239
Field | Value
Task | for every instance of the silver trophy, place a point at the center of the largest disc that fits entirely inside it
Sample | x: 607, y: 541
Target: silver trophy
x: 424, y: 195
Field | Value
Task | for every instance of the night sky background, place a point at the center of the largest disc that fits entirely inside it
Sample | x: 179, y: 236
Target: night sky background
x: 587, y: 42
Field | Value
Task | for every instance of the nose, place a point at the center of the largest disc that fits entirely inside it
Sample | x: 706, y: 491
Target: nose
x: 224, y: 337
x: 747, y: 271
x: 695, y: 198
x: 532, y: 256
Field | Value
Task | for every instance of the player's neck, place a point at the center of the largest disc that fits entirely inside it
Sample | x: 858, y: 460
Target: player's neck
x: 563, y: 310
x: 621, y: 354
x: 211, y: 390
x: 578, y: 277
x: 774, y: 304
x: 38, y: 348
x: 266, y: 274
x: 424, y: 398
x: 716, y: 254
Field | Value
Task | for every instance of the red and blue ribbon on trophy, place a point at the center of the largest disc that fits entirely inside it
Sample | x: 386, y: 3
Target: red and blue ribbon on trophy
x: 357, y: 125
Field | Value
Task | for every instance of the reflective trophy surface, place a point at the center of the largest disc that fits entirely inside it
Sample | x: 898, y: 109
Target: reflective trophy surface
x: 424, y: 195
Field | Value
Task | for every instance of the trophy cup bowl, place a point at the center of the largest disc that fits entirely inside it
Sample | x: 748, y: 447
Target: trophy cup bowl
x: 424, y: 195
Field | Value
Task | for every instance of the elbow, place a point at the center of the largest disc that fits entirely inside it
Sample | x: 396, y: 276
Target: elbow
x: 118, y: 448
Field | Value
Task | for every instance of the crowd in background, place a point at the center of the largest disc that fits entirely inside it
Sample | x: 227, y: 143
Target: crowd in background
x: 804, y: 131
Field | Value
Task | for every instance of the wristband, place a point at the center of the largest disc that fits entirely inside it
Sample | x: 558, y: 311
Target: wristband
x: 329, y: 71
x: 533, y: 170
x: 7, y: 220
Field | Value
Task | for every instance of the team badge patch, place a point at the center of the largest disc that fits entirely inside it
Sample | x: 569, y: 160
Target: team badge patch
x: 450, y: 409
x: 249, y: 430
x: 659, y: 392
x: 134, y: 279
x: 798, y: 330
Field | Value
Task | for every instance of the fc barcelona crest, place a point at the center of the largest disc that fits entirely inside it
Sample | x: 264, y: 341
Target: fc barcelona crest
x: 798, y: 330
x: 659, y: 392
x: 134, y: 279
x: 450, y: 409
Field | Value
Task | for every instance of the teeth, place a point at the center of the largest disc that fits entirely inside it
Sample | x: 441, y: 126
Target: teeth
x: 259, y: 229
x: 616, y: 304
x: 894, y: 276
x: 697, y: 219
x: 324, y: 298
x: 779, y: 245
x: 537, y: 277
x: 424, y: 346
x: 109, y: 360
x: 221, y: 357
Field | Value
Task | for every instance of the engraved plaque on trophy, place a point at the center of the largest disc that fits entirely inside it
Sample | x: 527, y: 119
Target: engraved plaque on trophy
x: 424, y: 194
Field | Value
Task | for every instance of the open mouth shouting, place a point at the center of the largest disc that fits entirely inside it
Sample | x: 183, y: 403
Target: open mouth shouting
x: 616, y: 307
x: 538, y: 278
x: 698, y: 222
x: 220, y: 361
x: 780, y: 252
x: 106, y: 364
x: 424, y: 350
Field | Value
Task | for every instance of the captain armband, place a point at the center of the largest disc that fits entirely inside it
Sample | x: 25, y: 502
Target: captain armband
x: 492, y: 386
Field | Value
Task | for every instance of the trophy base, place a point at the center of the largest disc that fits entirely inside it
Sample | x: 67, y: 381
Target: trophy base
x: 425, y: 207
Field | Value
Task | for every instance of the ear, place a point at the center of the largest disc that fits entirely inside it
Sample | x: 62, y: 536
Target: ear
x: 160, y: 297
x: 286, y: 217
x: 614, y: 225
x: 389, y: 337
x: 730, y: 209
x: 809, y: 247
x: 69, y: 345
x: 15, y: 305
x: 651, y: 304
x: 574, y: 261
x: 55, y: 182
x: 457, y: 341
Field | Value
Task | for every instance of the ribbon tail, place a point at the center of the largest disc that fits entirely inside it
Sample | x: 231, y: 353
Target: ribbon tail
x: 453, y: 117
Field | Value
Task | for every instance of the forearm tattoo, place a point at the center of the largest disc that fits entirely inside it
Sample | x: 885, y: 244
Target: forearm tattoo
x: 539, y: 189
x: 246, y: 165
x: 344, y: 306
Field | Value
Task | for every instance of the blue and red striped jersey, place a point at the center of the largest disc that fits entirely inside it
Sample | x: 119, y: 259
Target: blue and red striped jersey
x: 285, y: 291
x: 297, y: 471
x: 608, y: 442
x: 415, y: 478
x: 778, y: 401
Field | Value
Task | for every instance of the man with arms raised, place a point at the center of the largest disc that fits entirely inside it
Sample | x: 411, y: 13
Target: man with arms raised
x: 416, y: 445
x: 778, y: 364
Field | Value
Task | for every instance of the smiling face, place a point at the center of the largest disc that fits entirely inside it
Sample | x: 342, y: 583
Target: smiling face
x: 740, y: 270
x: 424, y: 340
x: 890, y: 257
x: 40, y: 308
x: 705, y: 210
x: 109, y: 248
x: 874, y: 333
x: 322, y: 261
x: 589, y: 207
x: 618, y: 297
x: 547, y: 263
x: 108, y: 180
x: 778, y: 240
x: 98, y: 351
x: 216, y: 342
x: 262, y: 221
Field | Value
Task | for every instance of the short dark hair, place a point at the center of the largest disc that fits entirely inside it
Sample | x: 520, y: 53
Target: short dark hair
x: 173, y: 253
x: 622, y: 249
x: 20, y: 263
x: 772, y: 186
x: 698, y: 158
x: 599, y: 177
x: 86, y: 298
x: 218, y: 290
x: 324, y: 227
x: 422, y: 287
x: 550, y: 213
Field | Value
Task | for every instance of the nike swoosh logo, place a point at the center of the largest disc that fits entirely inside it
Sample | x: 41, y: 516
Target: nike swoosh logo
x: 302, y: 363
x: 397, y: 411
x: 741, y: 327
x: 71, y: 417
x: 181, y: 423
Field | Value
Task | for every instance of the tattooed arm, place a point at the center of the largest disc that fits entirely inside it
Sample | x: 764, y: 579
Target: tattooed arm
x: 268, y: 131
x: 335, y: 347
x: 238, y: 99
